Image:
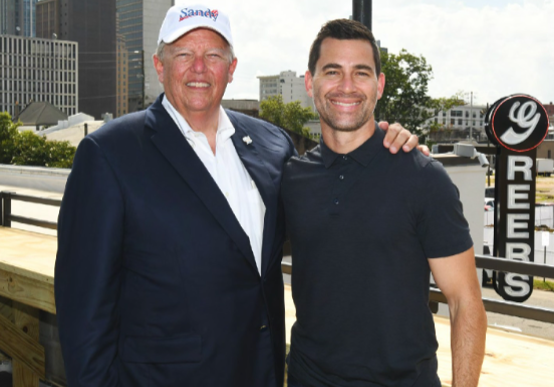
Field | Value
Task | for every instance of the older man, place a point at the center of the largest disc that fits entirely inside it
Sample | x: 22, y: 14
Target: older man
x: 170, y: 232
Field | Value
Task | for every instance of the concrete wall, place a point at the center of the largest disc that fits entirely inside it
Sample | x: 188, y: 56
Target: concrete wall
x: 39, y: 178
x: 469, y: 177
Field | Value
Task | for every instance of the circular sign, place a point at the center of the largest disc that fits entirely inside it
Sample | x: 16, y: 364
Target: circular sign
x: 518, y: 122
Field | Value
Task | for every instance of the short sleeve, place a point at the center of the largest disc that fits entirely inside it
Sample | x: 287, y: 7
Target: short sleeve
x: 441, y: 226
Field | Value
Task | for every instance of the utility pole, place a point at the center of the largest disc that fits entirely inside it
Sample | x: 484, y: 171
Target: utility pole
x: 361, y: 11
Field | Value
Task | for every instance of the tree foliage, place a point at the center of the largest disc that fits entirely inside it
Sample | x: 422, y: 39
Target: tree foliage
x: 405, y: 98
x: 8, y: 131
x: 27, y: 148
x: 291, y: 116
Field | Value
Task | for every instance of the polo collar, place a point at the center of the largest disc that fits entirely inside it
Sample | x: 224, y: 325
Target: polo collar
x: 362, y: 155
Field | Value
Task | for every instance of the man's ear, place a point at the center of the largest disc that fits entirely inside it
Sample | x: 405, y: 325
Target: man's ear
x: 380, y: 85
x: 159, y: 66
x: 232, y: 68
x: 308, y: 82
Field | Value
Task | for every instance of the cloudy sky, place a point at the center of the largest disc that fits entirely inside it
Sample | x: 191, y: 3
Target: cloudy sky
x: 492, y: 48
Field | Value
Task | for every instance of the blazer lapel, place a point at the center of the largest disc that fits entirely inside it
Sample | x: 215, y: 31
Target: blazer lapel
x: 175, y: 148
x: 255, y: 165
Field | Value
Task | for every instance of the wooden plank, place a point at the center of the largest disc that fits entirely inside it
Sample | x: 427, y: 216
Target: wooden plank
x: 28, y: 254
x: 20, y: 347
x: 28, y: 291
x: 6, y: 309
x: 26, y: 319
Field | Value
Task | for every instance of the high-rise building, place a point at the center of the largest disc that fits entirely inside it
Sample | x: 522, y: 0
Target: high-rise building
x: 37, y: 70
x: 287, y: 84
x: 122, y: 88
x: 92, y: 23
x: 139, y: 23
x: 17, y: 17
x: 48, y: 19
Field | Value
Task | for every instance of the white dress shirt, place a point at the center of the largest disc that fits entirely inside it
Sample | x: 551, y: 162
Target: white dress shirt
x: 230, y: 175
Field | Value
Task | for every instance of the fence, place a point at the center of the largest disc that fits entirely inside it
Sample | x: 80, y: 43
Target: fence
x: 435, y: 295
x: 544, y: 216
x: 8, y: 217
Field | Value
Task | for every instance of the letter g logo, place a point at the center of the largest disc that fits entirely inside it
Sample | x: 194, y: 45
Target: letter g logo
x: 517, y: 122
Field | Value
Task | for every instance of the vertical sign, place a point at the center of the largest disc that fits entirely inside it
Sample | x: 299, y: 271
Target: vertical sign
x: 517, y: 124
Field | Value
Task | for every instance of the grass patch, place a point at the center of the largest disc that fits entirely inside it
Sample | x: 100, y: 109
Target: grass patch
x: 543, y: 285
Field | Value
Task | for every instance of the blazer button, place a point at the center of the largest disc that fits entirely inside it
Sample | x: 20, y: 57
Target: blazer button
x: 263, y: 328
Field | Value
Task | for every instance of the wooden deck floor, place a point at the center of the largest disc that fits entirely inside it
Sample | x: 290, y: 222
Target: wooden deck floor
x: 512, y: 359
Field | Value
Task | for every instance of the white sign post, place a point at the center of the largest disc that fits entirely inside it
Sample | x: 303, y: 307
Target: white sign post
x: 545, y: 243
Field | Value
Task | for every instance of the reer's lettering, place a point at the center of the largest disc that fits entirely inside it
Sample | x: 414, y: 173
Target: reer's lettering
x: 521, y: 164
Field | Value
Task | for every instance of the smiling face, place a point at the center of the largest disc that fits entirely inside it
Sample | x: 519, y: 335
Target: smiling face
x: 345, y: 86
x: 195, y: 70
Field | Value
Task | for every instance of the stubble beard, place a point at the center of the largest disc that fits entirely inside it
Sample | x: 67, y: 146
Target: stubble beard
x: 343, y: 124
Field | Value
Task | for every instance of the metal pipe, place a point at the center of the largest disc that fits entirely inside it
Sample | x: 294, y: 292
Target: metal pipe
x: 361, y: 11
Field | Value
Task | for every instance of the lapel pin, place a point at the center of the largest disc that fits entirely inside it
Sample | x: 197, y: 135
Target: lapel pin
x: 247, y: 140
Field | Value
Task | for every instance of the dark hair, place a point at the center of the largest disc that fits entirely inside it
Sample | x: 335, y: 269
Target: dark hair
x: 343, y: 29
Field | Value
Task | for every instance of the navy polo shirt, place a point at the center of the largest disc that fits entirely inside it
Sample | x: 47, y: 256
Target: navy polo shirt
x: 362, y: 228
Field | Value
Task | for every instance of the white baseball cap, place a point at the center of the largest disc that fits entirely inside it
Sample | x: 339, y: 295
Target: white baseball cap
x: 181, y: 19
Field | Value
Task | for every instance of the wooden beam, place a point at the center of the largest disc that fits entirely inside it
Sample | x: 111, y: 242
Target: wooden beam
x: 20, y: 346
x: 27, y: 290
x: 26, y: 319
x: 6, y: 309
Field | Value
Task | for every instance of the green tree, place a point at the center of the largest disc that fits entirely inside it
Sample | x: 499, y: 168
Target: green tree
x: 8, y: 131
x: 291, y: 116
x: 405, y: 98
x: 60, y: 154
x: 28, y: 148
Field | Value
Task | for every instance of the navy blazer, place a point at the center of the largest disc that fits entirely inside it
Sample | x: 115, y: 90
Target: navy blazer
x: 155, y: 282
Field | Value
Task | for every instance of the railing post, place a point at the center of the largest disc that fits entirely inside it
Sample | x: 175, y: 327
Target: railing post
x: 7, y: 208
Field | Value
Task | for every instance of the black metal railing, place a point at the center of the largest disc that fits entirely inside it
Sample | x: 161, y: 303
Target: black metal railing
x: 435, y: 295
x: 8, y: 217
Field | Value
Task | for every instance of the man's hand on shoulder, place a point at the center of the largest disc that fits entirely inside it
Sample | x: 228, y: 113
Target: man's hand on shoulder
x: 396, y: 137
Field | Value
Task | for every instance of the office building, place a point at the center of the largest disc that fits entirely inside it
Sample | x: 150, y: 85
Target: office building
x: 17, y: 17
x: 466, y: 122
x: 122, y: 88
x: 38, y: 70
x: 287, y: 84
x: 139, y: 23
x: 92, y: 23
x: 48, y: 19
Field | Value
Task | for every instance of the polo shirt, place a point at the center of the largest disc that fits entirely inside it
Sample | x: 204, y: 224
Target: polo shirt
x: 362, y: 228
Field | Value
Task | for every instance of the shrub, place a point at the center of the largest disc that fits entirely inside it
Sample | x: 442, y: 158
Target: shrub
x: 28, y: 148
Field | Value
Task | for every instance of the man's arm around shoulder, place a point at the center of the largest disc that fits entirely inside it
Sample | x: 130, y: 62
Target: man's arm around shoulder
x: 457, y: 278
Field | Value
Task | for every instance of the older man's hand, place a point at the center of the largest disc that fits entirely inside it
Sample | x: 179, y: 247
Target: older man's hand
x: 397, y: 137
